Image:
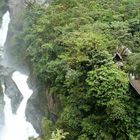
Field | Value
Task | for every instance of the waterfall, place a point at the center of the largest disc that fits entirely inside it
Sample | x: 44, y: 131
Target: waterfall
x: 4, y: 28
x: 16, y: 127
x: 3, y: 31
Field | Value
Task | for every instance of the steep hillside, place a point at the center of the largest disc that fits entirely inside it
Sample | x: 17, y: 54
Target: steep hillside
x: 80, y: 53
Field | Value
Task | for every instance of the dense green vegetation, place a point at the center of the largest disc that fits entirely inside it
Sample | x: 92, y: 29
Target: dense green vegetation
x: 70, y: 47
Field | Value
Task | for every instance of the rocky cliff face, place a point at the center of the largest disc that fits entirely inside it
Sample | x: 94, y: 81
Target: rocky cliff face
x: 11, y: 91
x: 15, y: 8
x: 41, y: 104
x: 3, y: 8
x: 1, y: 107
x: 36, y: 110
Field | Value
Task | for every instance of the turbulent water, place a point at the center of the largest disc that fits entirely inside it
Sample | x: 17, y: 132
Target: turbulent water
x: 3, y: 31
x: 4, y: 28
x: 16, y: 127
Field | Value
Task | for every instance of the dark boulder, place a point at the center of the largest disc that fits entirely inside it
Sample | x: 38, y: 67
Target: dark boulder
x: 12, y: 91
x: 1, y: 107
x: 35, y: 110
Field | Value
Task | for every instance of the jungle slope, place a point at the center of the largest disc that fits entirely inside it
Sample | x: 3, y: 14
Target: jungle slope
x: 69, y: 46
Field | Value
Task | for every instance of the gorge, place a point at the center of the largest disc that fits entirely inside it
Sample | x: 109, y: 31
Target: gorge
x: 73, y: 59
x: 15, y: 125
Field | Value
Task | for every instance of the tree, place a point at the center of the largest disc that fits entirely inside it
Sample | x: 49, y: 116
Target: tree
x: 69, y: 46
x: 109, y: 88
x: 58, y: 135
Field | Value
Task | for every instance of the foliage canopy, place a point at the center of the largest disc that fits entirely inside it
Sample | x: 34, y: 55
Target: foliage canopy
x: 69, y: 46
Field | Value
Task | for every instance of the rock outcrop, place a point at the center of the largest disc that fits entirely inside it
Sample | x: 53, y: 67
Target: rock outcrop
x: 12, y: 91
x: 15, y: 8
x: 36, y: 106
x: 1, y: 107
x: 35, y: 111
x: 3, y: 9
x: 41, y: 104
x: 3, y: 72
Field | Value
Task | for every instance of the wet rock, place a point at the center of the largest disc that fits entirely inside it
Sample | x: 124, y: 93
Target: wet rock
x: 16, y: 7
x: 42, y: 105
x: 35, y: 110
x: 12, y: 91
x: 3, y: 72
x: 53, y: 104
x: 1, y: 107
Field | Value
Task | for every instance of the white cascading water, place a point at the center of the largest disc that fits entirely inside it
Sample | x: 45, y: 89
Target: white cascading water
x: 16, y: 127
x: 4, y: 28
